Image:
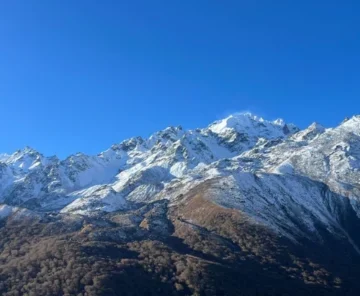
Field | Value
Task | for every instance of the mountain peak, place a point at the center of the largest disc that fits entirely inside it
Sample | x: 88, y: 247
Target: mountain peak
x: 28, y: 149
x: 309, y: 133
x: 253, y: 125
x: 317, y: 126
x: 352, y: 123
x: 279, y: 121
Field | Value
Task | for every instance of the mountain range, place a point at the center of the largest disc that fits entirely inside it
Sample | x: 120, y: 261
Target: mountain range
x: 261, y: 207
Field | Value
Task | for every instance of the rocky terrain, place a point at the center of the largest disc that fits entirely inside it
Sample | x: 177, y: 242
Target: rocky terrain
x: 244, y: 206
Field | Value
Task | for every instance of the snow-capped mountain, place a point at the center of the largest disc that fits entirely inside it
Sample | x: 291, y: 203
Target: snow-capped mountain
x: 241, y: 204
x: 29, y: 178
x: 289, y: 180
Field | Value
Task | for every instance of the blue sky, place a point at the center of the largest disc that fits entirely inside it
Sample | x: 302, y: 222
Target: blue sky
x: 82, y: 75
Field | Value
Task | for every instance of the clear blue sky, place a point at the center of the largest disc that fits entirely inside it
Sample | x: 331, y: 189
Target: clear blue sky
x: 82, y: 75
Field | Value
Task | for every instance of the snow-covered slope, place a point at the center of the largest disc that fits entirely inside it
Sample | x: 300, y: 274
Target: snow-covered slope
x: 287, y: 179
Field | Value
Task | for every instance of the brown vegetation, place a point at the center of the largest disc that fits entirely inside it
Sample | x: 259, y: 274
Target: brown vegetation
x: 194, y: 248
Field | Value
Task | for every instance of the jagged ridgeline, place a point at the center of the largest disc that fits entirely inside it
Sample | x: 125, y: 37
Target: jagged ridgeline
x: 245, y: 206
